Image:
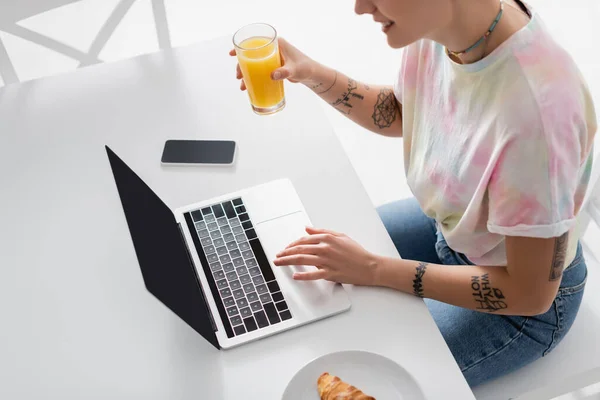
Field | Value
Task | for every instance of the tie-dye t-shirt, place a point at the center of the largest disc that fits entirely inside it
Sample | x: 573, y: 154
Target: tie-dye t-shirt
x: 500, y: 147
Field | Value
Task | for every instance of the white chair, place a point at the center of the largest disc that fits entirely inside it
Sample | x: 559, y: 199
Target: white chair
x: 579, y: 352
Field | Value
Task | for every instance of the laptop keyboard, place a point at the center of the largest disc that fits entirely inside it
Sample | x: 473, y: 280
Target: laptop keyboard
x: 240, y: 275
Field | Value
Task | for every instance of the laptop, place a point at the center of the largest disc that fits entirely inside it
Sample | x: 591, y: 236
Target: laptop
x: 211, y: 262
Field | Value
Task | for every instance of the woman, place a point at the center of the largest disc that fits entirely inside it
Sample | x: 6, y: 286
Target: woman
x: 498, y: 126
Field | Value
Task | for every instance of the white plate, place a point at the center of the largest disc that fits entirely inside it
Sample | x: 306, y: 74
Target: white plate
x: 375, y: 375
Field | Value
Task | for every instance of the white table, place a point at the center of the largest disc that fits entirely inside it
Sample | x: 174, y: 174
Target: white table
x: 76, y: 320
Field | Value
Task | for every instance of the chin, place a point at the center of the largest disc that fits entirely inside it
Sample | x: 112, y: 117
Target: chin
x: 397, y: 43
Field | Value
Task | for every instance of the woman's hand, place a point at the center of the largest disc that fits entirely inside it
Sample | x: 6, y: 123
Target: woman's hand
x: 297, y: 66
x: 337, y: 257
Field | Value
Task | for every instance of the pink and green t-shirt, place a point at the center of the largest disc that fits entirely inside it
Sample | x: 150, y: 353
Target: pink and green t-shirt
x: 500, y: 147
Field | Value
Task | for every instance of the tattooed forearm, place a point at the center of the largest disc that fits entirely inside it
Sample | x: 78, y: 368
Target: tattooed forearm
x: 386, y: 109
x: 344, y: 99
x: 558, y: 259
x: 486, y: 297
x: 418, y: 281
x: 319, y: 85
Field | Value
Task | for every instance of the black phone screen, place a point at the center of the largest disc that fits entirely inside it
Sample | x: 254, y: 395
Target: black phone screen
x: 198, y: 152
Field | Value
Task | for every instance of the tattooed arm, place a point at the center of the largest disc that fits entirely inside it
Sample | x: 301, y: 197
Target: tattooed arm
x: 373, y: 107
x: 526, y: 286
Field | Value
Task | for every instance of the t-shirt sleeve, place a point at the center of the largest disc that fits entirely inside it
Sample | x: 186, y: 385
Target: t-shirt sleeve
x: 533, y: 185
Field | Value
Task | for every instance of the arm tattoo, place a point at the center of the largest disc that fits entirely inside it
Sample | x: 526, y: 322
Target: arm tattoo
x: 558, y: 260
x: 345, y: 97
x: 487, y: 298
x: 329, y: 88
x: 418, y: 281
x: 386, y: 109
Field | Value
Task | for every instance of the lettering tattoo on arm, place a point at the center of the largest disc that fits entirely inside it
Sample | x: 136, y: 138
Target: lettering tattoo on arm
x: 418, y: 281
x: 558, y: 259
x: 486, y: 297
x: 346, y: 97
x: 386, y: 109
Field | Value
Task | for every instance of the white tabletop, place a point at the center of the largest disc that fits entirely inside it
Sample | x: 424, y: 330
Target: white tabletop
x: 76, y: 319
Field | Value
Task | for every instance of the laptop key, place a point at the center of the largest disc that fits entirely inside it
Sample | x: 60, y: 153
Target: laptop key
x: 238, y: 262
x: 247, y: 225
x: 265, y: 298
x: 239, y: 330
x: 243, y: 217
x: 222, y: 284
x: 218, y: 210
x: 234, y: 222
x: 247, y: 254
x: 272, y: 313
x: 222, y: 221
x: 235, y: 253
x: 237, y: 202
x: 261, y: 319
x: 252, y: 297
x: 231, y: 311
x: 245, y: 279
x: 282, y: 305
x: 215, y: 266
x: 278, y: 296
x: 257, y: 280
x: 228, y: 267
x: 219, y: 275
x: 212, y: 226
x: 235, y: 284
x: 263, y: 262
x: 209, y: 249
x: 241, y: 270
x: 209, y: 218
x: 215, y: 234
x: 244, y: 246
x: 219, y: 242
x: 225, y: 229
x: 203, y: 233
x: 273, y: 286
x: 206, y: 210
x: 212, y: 258
x: 248, y: 288
x: 228, y: 302
x: 231, y: 276
x: 261, y: 289
x: 240, y: 209
x: 231, y: 246
x: 236, y: 320
x: 285, y: 315
x: 245, y: 312
x: 225, y: 292
x: 229, y: 211
x: 241, y: 303
x: 254, y: 271
x: 220, y: 251
x: 238, y: 294
x: 197, y: 215
x: 251, y: 262
x: 256, y: 306
x: 225, y: 258
x: 240, y: 238
x: 228, y: 237
x: 206, y: 241
x: 251, y: 233
x: 237, y: 230
x: 250, y: 324
x: 200, y: 225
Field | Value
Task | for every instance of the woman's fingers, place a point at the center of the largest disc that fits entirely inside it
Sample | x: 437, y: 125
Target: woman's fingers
x: 243, y: 85
x: 238, y: 72
x: 312, y: 231
x: 313, y: 249
x: 232, y: 52
x: 298, y: 259
x: 311, y: 276
x: 312, y: 239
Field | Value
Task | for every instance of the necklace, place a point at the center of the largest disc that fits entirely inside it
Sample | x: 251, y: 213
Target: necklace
x: 484, y: 37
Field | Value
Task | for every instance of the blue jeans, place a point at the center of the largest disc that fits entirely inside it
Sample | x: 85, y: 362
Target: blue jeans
x: 485, y: 346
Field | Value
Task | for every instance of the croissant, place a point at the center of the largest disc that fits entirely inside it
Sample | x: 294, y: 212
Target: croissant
x: 333, y: 388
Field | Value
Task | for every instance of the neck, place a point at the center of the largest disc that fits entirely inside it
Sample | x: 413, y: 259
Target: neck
x: 470, y: 20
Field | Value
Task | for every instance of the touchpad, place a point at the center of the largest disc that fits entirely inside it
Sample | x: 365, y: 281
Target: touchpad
x: 276, y: 235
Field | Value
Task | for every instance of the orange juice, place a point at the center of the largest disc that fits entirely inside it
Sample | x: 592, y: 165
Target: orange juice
x: 258, y: 58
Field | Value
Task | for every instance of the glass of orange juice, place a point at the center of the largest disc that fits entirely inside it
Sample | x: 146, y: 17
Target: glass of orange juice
x: 258, y: 55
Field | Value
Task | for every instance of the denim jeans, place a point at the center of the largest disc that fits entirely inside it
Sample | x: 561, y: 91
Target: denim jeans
x: 484, y: 345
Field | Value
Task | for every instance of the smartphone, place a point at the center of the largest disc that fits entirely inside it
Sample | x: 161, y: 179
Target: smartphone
x: 193, y: 152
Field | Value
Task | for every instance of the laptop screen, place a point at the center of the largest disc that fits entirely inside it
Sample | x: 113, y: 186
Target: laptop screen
x: 161, y: 252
